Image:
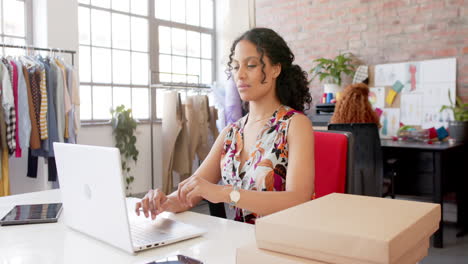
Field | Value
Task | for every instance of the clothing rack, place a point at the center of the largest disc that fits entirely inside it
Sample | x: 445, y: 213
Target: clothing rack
x: 168, y: 86
x: 71, y: 52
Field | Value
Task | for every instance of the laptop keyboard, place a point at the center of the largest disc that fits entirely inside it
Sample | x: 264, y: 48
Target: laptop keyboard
x: 144, y: 234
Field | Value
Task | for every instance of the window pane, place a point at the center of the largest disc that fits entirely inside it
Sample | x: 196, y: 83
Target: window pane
x: 140, y: 103
x: 85, y: 64
x: 206, y: 46
x: 164, y: 40
x: 83, y: 20
x: 85, y: 102
x: 13, y: 51
x: 83, y: 2
x: 101, y: 3
x: 121, y: 66
x: 193, y: 46
x: 122, y: 96
x: 121, y: 5
x: 139, y: 34
x: 101, y: 65
x: 206, y: 13
x: 165, y: 63
x: 179, y: 65
x: 193, y: 12
x: 13, y: 18
x: 140, y: 7
x: 178, y: 41
x: 102, y: 102
x: 178, y: 11
x: 163, y: 77
x: 193, y: 67
x: 101, y: 29
x: 206, y: 72
x: 120, y: 31
x: 140, y: 68
x: 162, y: 9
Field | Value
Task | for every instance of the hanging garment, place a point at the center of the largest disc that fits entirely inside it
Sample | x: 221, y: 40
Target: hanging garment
x: 32, y: 165
x: 197, y: 122
x: 8, y: 105
x: 171, y: 127
x: 59, y: 100
x: 15, y: 96
x: 5, y: 181
x: 213, y: 119
x: 47, y: 149
x: 3, y: 141
x: 34, y: 139
x: 66, y: 98
x: 182, y: 149
x: 34, y: 78
x: 232, y: 103
x: 43, y: 107
x: 23, y: 109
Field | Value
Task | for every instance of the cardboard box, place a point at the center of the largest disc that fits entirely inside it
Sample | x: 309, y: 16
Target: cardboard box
x: 344, y: 228
x: 252, y: 254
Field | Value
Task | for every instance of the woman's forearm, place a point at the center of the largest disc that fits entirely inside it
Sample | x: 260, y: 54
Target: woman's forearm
x: 264, y: 203
x: 175, y: 206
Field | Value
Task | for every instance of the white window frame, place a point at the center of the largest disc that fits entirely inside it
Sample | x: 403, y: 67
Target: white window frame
x: 28, y: 23
x: 153, y: 53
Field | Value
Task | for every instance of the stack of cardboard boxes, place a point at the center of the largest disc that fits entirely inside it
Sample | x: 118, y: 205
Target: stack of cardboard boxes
x: 343, y: 228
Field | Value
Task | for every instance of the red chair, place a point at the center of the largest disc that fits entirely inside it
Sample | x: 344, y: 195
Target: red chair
x: 333, y: 150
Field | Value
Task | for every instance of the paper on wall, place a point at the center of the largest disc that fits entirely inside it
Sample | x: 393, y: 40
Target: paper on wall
x: 390, y: 121
x: 388, y: 74
x: 411, y: 108
x: 377, y: 97
x: 435, y: 95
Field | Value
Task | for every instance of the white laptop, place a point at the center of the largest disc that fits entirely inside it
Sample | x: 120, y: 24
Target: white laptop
x: 94, y: 201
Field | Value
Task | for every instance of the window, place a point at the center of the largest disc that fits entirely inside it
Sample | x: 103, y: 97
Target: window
x: 185, y: 41
x: 114, y: 57
x: 121, y: 40
x: 15, y: 26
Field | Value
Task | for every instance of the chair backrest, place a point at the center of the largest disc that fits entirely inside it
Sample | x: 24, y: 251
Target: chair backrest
x: 367, y: 176
x: 333, y: 152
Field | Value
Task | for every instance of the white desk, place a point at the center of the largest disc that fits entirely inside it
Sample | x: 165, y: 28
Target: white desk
x: 56, y: 243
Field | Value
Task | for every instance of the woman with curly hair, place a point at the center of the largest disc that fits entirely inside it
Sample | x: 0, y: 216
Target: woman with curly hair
x: 354, y: 106
x: 265, y: 160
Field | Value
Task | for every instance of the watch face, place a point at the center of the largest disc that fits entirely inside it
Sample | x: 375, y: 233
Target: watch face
x: 235, y: 196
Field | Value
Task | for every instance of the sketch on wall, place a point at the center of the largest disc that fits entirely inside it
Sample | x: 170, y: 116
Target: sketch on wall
x: 426, y: 88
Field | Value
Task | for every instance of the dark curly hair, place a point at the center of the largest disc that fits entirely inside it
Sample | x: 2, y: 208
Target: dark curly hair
x: 291, y: 84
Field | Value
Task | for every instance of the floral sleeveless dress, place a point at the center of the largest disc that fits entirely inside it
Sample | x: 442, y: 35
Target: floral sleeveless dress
x: 265, y: 169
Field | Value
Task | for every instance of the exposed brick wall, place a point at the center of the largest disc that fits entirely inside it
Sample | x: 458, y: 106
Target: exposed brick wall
x: 375, y: 31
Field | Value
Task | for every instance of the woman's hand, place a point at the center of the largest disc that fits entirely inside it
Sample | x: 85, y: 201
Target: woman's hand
x: 195, y: 187
x: 154, y: 203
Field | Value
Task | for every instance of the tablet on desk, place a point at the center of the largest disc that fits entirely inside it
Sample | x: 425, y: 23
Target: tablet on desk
x: 32, y: 214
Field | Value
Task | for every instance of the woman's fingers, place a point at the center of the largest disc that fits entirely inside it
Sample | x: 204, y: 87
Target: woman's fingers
x: 137, y: 208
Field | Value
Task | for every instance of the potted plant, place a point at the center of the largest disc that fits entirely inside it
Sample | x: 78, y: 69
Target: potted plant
x: 458, y: 128
x: 330, y: 71
x: 123, y: 129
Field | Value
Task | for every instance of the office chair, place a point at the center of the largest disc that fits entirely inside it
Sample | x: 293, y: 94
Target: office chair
x: 333, y: 161
x: 367, y: 176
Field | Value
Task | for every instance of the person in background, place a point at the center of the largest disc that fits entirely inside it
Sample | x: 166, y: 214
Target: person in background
x: 265, y: 160
x: 354, y: 106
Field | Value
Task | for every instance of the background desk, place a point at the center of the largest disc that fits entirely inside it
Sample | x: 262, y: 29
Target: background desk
x: 56, y: 243
x: 440, y: 153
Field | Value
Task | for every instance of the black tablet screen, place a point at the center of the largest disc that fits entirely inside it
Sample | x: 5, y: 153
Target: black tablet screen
x: 33, y: 212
